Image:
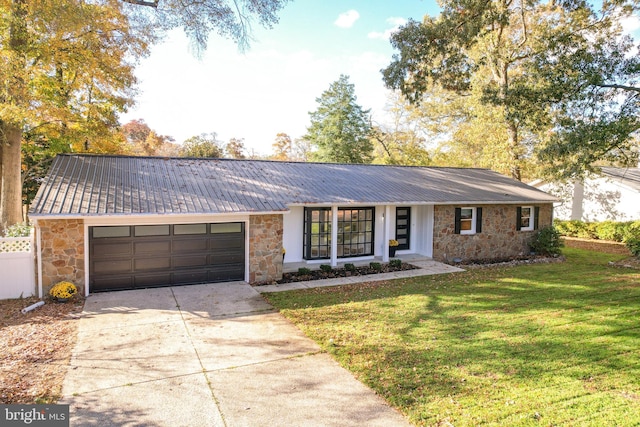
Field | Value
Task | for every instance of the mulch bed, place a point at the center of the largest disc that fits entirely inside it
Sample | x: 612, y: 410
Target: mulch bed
x: 36, y: 347
x: 596, y: 245
x: 339, y: 272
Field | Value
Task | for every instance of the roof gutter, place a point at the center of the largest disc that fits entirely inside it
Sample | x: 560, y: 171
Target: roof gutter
x: 42, y: 216
x: 414, y: 203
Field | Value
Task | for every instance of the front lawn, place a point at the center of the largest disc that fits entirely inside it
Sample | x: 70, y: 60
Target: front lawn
x: 544, y: 344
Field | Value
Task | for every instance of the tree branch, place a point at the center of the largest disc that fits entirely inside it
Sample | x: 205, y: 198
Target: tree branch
x: 618, y: 86
x: 153, y: 4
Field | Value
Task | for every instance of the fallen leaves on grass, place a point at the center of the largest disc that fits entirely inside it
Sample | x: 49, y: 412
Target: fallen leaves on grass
x: 631, y: 262
x: 36, y: 347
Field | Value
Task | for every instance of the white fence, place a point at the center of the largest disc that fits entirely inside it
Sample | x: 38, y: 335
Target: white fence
x: 17, y: 267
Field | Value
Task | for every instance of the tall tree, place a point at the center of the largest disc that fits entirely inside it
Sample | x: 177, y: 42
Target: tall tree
x: 401, y: 140
x: 69, y: 69
x: 340, y: 128
x: 510, y: 56
x: 235, y: 148
x: 204, y: 145
x: 282, y: 147
x: 68, y: 65
x: 144, y: 141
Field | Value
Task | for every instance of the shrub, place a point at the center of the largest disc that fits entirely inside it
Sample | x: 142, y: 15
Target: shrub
x: 325, y: 268
x: 375, y: 266
x: 633, y: 243
x: 605, y: 230
x: 18, y: 230
x: 547, y: 241
x: 610, y: 230
x: 395, y: 263
x: 63, y: 290
x: 304, y: 271
x: 350, y: 267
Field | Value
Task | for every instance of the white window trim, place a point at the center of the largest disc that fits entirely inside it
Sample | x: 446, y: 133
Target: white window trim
x: 473, y: 221
x: 532, y: 212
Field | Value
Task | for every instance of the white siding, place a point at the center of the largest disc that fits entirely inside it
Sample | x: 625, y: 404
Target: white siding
x: 598, y: 199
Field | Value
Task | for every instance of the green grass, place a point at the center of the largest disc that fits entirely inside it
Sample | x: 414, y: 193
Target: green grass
x: 546, y: 344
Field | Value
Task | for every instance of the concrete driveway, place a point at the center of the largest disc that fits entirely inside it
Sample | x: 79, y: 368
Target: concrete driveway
x: 207, y: 355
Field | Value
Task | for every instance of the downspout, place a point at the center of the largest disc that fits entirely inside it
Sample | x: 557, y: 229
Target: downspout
x: 38, y: 253
x: 86, y: 258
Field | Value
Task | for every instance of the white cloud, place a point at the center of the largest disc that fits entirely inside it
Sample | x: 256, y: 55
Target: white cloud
x: 347, y: 19
x: 396, y: 23
x: 630, y: 24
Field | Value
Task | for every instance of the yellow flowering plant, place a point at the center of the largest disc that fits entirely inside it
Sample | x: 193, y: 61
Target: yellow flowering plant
x: 63, y: 290
x: 393, y: 243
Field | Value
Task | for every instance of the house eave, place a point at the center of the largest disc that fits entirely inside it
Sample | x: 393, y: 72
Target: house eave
x: 139, y: 216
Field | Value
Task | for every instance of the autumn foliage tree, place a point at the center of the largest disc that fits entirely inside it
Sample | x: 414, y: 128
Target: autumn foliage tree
x: 68, y: 69
x: 203, y: 145
x: 282, y: 147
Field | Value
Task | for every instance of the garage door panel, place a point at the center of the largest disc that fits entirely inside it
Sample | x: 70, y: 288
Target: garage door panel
x: 200, y: 260
x: 227, y: 272
x: 113, y: 282
x: 112, y: 266
x: 112, y: 249
x: 189, y: 245
x: 190, y: 276
x: 226, y: 243
x: 145, y: 264
x: 152, y: 280
x: 225, y: 258
x: 154, y: 247
x: 129, y: 257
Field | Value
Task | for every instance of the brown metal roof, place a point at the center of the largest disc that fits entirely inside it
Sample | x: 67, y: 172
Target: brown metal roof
x: 82, y: 185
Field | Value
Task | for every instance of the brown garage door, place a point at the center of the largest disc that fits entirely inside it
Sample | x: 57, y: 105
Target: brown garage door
x: 143, y: 256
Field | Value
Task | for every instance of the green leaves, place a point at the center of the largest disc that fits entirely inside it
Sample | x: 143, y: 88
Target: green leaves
x: 560, y: 77
x: 340, y: 128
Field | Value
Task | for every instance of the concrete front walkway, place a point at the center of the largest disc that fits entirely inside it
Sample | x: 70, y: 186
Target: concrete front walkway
x: 207, y: 355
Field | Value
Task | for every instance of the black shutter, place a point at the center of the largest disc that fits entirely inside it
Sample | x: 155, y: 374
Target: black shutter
x: 518, y: 218
x: 478, y: 220
x: 458, y: 216
x: 535, y: 217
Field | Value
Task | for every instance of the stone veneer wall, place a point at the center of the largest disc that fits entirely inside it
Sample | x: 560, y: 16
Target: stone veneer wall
x: 498, y: 239
x: 265, y: 248
x: 62, y: 252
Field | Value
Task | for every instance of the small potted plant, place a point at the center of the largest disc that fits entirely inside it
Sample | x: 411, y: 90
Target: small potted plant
x: 393, y: 245
x: 63, y: 291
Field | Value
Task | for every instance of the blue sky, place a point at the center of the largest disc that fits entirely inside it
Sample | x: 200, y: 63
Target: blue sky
x: 272, y: 86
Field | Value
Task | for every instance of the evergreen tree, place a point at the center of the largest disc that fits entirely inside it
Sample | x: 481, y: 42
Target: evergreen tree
x: 340, y: 128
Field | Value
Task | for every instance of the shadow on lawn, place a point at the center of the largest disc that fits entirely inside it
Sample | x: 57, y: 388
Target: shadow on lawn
x: 562, y: 331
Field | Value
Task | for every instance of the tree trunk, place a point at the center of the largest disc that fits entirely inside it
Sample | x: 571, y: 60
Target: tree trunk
x: 514, y: 146
x: 11, y: 193
x: 10, y: 127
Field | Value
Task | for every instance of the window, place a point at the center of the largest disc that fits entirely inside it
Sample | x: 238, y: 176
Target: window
x: 117, y: 231
x: 151, y: 230
x: 354, y: 233
x: 527, y: 218
x: 317, y: 233
x: 468, y: 220
x: 403, y: 227
x: 227, y: 227
x: 180, y: 229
